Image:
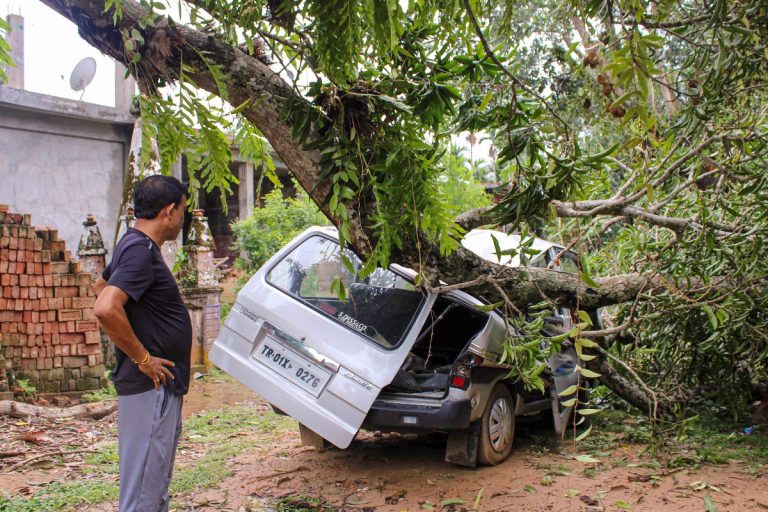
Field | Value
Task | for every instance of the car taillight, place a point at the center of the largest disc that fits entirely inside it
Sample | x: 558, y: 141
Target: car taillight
x: 463, y: 369
x: 459, y: 382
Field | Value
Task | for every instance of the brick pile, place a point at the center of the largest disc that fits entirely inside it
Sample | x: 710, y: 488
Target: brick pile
x: 48, y: 333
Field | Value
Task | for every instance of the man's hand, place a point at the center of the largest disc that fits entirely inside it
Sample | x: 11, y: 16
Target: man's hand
x: 156, y: 370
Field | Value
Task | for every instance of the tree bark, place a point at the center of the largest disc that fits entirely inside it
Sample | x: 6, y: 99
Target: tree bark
x: 21, y: 410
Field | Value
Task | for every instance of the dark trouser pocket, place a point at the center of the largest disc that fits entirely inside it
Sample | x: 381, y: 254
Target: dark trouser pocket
x: 164, y: 405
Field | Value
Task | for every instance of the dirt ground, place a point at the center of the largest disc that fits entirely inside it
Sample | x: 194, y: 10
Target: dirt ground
x: 407, y: 473
x: 387, y: 472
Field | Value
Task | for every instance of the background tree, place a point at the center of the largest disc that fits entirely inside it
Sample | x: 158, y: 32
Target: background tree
x: 634, y: 129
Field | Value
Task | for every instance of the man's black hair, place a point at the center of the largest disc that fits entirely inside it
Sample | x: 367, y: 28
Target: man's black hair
x: 154, y: 193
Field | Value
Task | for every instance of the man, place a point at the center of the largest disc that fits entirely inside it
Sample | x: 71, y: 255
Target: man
x: 140, y: 308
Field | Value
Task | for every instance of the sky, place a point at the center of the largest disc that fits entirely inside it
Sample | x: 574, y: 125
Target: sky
x: 52, y: 48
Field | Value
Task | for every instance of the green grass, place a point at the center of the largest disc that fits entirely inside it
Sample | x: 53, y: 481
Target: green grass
x: 100, y: 395
x: 104, y: 462
x: 215, y: 425
x: 208, y: 470
x: 61, y: 496
x: 303, y: 504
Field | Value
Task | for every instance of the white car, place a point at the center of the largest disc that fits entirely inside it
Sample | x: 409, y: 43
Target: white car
x: 389, y: 357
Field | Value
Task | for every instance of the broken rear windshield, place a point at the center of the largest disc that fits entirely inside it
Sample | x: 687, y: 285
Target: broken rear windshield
x: 380, y: 306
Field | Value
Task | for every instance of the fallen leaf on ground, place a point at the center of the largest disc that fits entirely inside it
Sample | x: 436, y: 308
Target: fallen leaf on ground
x: 36, y: 437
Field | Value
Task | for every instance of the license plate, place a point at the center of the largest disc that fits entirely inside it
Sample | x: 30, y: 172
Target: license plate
x: 290, y: 365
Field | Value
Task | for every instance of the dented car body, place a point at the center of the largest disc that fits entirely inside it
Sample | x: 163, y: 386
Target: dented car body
x: 388, y: 357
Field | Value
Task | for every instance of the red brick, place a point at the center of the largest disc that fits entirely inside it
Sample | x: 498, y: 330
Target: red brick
x: 72, y: 339
x: 86, y: 326
x: 92, y: 337
x: 12, y: 255
x: 65, y: 291
x: 82, y: 302
x: 70, y: 314
x: 48, y: 279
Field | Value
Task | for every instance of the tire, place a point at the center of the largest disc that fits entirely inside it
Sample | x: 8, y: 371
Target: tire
x: 497, y: 427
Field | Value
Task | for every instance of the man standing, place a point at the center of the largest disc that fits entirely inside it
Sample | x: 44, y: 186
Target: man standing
x: 141, y: 310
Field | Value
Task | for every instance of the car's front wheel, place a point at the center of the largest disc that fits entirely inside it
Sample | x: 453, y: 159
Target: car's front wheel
x: 497, y: 428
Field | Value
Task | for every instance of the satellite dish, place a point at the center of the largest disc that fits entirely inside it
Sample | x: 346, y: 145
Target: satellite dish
x: 82, y: 74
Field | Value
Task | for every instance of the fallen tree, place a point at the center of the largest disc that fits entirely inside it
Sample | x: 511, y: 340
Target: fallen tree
x: 388, y: 80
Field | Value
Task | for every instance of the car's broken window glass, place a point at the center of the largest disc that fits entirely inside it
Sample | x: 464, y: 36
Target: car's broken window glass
x: 380, y: 306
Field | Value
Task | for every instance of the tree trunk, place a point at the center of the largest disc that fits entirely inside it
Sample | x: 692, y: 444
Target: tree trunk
x: 21, y: 410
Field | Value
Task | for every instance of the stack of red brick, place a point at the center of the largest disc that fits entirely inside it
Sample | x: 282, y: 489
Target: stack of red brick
x: 48, y: 333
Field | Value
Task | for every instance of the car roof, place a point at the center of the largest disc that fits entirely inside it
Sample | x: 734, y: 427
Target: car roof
x: 480, y: 242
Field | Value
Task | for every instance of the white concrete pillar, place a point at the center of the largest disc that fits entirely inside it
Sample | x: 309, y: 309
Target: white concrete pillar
x: 125, y: 88
x: 246, y: 198
x: 16, y: 39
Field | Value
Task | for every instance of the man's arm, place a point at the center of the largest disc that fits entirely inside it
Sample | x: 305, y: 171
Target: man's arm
x: 99, y: 286
x: 110, y: 310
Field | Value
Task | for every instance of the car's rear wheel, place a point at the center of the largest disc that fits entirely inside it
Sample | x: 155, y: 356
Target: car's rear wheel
x: 497, y: 427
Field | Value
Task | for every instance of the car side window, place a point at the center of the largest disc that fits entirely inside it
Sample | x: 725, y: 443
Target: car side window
x: 380, y: 306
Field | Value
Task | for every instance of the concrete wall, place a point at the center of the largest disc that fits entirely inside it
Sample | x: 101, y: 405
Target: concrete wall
x: 61, y: 160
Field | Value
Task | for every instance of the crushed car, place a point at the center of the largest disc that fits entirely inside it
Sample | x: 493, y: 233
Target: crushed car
x: 389, y: 357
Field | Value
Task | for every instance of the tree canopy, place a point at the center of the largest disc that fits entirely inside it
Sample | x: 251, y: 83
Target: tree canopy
x: 631, y: 130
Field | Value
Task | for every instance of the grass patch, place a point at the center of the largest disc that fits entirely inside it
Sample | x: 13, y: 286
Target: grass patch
x: 100, y: 395
x: 303, y: 504
x: 215, y: 425
x: 104, y: 462
x: 208, y: 470
x: 62, y: 496
x: 701, y: 444
x: 215, y: 374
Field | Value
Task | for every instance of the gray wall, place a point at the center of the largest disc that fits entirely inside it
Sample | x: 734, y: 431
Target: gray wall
x: 62, y: 159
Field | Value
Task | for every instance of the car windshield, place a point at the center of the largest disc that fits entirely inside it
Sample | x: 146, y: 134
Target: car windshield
x: 380, y: 306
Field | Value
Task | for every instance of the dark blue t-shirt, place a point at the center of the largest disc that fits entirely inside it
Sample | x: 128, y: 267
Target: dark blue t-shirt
x: 155, y: 310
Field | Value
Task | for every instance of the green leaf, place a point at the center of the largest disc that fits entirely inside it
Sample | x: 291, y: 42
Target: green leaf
x: 569, y: 390
x: 587, y: 412
x: 452, y: 501
x: 711, y: 315
x: 479, y: 496
x: 496, y: 247
x: 589, y: 373
x: 584, y: 317
x: 586, y: 459
x: 623, y: 505
x: 709, y: 505
x: 530, y: 489
x: 586, y: 342
x: 569, y: 403
x: 572, y: 493
x: 489, y: 307
x: 584, y: 434
x: 588, y: 280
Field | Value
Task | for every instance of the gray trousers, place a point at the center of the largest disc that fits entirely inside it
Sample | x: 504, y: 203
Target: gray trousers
x: 148, y: 430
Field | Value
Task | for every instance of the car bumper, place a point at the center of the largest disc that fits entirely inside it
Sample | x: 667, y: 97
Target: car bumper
x: 451, y: 415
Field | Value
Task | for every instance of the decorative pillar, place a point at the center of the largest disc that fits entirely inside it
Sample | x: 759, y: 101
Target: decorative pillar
x: 91, y: 249
x: 127, y: 220
x: 200, y: 288
x: 15, y: 39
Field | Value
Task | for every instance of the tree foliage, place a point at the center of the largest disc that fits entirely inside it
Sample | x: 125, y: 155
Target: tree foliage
x: 633, y: 130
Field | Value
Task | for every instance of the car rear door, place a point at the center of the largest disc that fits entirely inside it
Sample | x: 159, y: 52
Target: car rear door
x: 320, y: 359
